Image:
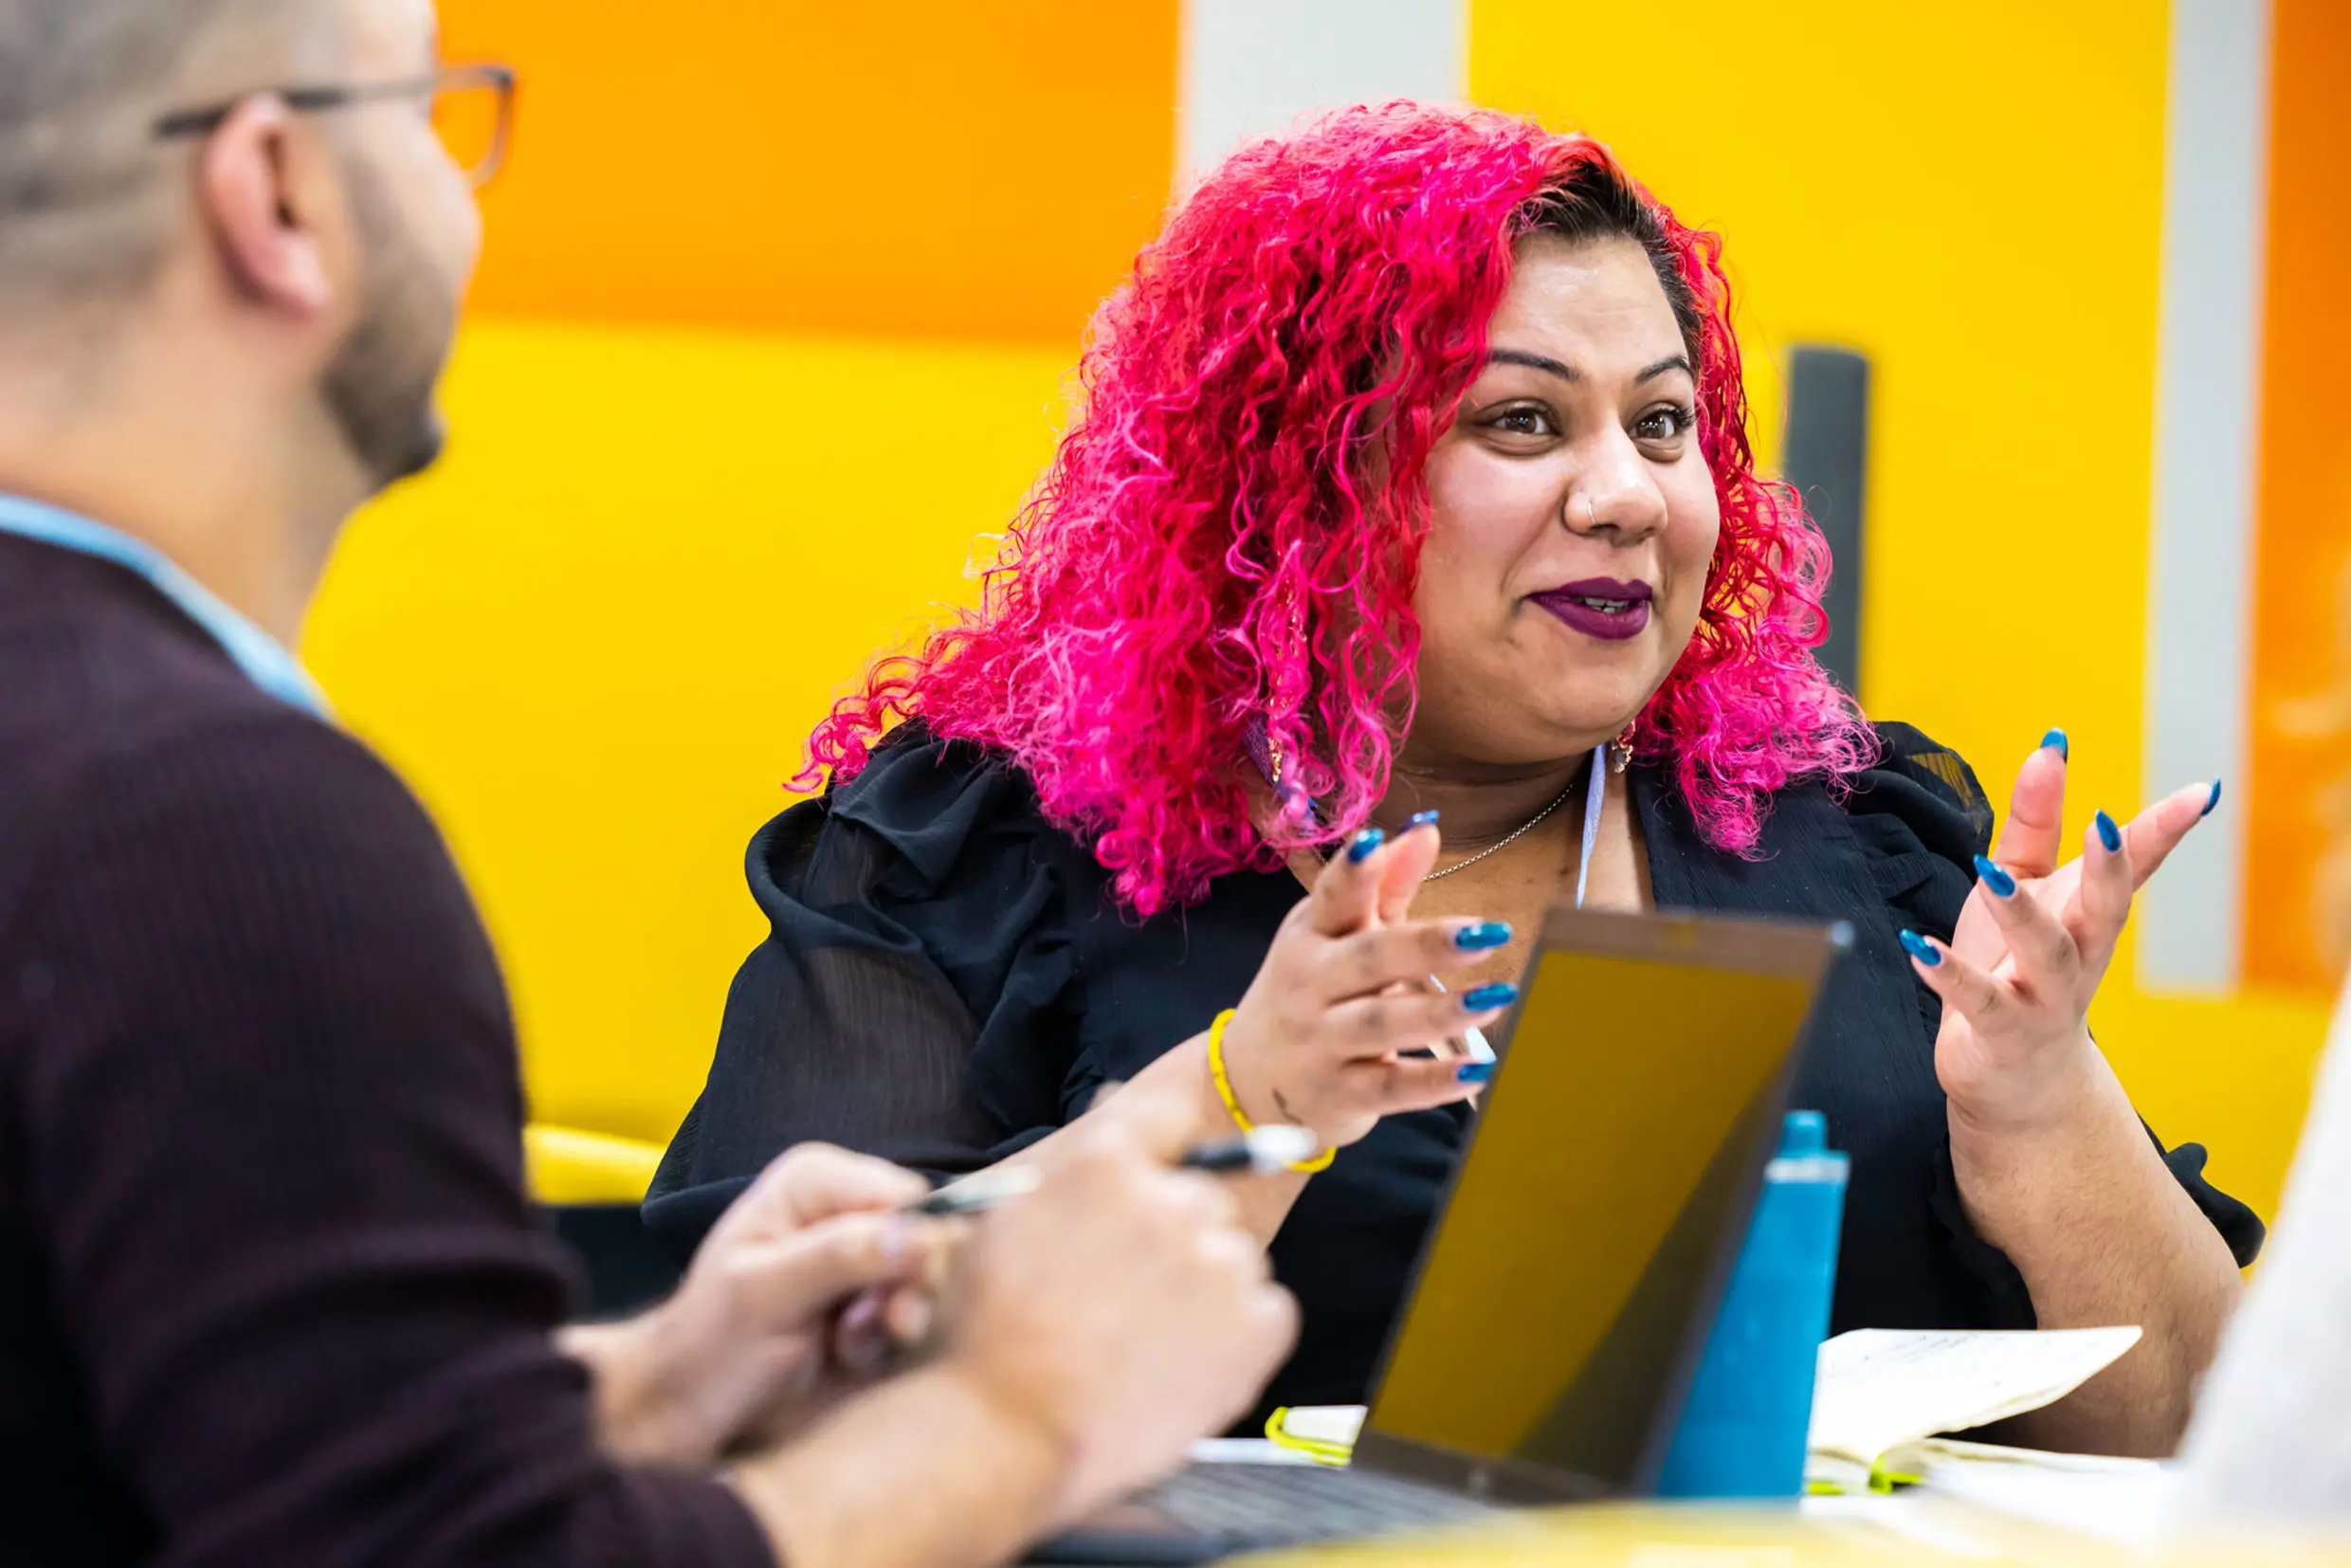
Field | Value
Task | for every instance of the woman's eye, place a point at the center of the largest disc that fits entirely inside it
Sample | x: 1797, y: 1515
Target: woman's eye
x: 1527, y: 421
x: 1665, y: 424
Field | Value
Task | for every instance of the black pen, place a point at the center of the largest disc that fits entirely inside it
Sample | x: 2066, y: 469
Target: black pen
x: 1261, y: 1150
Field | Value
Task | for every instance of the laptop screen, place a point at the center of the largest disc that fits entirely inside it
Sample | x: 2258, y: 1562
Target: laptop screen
x: 1556, y: 1315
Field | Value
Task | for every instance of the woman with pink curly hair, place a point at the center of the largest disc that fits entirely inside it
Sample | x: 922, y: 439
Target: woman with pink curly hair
x: 1410, y: 484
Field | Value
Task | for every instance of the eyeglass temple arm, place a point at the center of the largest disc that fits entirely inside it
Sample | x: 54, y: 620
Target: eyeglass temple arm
x: 203, y: 121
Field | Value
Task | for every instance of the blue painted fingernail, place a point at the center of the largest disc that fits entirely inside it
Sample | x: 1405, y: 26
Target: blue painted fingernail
x: 2108, y: 834
x: 1995, y: 879
x: 2213, y: 801
x: 1921, y: 949
x: 2055, y: 741
x: 1473, y: 1072
x: 1488, y: 997
x: 1364, y: 842
x: 1478, y: 938
x: 1419, y: 820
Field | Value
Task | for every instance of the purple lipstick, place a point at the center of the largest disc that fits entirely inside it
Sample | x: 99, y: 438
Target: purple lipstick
x: 1600, y: 607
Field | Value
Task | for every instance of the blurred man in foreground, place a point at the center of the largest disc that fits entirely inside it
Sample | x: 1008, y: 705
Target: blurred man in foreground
x: 268, y: 1288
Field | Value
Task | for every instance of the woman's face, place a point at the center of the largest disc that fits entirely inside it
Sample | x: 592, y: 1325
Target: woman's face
x: 1572, y: 516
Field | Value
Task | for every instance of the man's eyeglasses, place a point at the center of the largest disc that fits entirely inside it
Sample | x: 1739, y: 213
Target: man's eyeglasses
x: 472, y: 109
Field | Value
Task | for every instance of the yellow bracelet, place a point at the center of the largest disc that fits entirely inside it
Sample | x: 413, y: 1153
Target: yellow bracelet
x: 1232, y: 1107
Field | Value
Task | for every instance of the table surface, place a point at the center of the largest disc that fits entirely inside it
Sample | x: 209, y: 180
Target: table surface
x: 2010, y: 1513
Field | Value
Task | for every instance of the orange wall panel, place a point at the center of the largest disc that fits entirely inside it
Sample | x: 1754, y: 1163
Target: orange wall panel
x: 2305, y: 517
x: 919, y: 168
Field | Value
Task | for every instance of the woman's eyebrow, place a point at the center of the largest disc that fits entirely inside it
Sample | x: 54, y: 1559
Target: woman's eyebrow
x: 1570, y: 373
x: 1534, y: 362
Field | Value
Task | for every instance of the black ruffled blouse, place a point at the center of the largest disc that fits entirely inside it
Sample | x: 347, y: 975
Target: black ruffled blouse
x: 947, y: 979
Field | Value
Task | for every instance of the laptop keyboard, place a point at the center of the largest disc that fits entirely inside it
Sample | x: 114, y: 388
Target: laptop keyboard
x: 1276, y: 1503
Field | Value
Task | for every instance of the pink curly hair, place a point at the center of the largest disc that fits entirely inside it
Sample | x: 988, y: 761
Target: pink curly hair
x: 1229, y: 532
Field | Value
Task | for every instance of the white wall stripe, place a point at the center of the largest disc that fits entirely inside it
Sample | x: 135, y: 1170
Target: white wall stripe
x: 2215, y: 218
x: 1251, y: 67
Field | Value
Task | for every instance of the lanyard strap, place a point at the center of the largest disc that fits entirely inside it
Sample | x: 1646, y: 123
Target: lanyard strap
x: 1593, y: 795
x: 263, y: 660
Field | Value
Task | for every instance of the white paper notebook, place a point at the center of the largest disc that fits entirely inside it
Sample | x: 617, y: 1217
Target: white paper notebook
x: 1881, y: 1393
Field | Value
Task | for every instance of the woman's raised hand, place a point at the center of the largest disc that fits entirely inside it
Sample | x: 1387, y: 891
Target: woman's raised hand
x: 1317, y: 1041
x: 2033, y: 944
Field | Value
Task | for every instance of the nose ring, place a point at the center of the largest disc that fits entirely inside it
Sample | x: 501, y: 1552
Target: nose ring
x: 1592, y: 512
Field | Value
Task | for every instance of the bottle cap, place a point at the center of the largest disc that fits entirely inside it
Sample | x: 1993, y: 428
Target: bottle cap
x: 1803, y: 1133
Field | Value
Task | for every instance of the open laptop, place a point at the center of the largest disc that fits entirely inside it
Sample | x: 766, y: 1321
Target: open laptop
x: 1575, y: 1264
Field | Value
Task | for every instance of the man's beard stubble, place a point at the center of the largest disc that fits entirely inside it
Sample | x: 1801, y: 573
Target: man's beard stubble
x: 381, y: 387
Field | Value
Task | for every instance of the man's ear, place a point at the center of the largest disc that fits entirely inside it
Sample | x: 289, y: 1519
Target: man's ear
x: 260, y: 213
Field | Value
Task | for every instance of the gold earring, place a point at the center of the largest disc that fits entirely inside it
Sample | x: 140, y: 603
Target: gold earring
x: 1620, y: 751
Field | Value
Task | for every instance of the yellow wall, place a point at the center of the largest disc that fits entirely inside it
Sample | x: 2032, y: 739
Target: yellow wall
x: 595, y: 638
x: 1972, y: 195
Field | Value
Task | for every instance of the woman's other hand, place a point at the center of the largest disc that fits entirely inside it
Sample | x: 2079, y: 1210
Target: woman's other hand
x: 2053, y: 1165
x: 1318, y: 1039
x: 2033, y: 944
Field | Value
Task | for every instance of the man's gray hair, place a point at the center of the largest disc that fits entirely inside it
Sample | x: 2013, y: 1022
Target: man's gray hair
x: 86, y: 198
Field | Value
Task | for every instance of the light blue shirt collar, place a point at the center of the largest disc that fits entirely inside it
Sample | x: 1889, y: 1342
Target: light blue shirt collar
x: 264, y: 661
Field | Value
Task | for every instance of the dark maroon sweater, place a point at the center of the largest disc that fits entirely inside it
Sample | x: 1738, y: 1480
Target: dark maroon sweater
x: 269, y: 1288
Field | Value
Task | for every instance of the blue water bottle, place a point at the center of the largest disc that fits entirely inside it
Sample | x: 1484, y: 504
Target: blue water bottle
x: 1742, y: 1431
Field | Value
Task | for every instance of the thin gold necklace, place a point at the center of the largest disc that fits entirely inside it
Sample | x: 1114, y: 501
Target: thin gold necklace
x: 1620, y: 754
x: 1503, y: 843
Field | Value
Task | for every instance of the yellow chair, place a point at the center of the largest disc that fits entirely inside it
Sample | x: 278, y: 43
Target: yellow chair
x: 565, y: 1165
